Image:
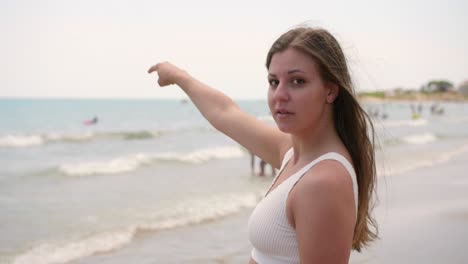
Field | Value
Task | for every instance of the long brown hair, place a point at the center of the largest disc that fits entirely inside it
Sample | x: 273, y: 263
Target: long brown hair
x: 352, y: 123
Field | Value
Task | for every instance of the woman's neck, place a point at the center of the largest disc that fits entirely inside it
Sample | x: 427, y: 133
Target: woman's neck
x: 315, y: 142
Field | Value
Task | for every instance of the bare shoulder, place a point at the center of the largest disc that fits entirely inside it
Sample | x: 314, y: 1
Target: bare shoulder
x: 326, y: 187
x: 321, y: 209
x: 327, y: 174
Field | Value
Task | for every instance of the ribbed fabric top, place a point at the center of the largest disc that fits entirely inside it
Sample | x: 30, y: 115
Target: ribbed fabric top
x: 273, y: 238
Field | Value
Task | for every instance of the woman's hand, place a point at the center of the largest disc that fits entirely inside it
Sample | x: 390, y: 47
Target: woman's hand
x: 222, y: 112
x: 168, y: 73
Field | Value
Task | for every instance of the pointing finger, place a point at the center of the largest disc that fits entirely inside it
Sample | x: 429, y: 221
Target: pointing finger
x: 153, y: 68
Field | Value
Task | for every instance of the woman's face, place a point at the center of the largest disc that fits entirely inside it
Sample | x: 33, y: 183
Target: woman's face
x: 297, y: 95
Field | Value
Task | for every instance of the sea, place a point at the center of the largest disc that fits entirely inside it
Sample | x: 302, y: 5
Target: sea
x: 150, y: 181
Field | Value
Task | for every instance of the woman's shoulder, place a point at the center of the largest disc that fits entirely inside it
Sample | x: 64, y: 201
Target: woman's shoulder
x: 329, y: 173
x: 327, y: 180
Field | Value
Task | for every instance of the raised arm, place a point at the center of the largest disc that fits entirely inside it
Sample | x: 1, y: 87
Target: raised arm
x: 224, y: 114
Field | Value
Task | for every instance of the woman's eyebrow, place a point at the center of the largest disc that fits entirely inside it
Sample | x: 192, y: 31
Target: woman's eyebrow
x: 295, y: 70
x: 289, y: 72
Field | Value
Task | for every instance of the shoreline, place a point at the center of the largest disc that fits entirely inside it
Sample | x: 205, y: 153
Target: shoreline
x: 415, y: 98
x: 421, y: 214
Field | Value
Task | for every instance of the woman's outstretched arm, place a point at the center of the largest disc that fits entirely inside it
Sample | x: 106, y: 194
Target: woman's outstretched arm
x: 224, y: 114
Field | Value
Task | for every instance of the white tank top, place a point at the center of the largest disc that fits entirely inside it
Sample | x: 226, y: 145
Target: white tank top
x: 272, y: 237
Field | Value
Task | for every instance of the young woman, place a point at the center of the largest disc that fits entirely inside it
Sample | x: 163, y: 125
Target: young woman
x: 318, y: 207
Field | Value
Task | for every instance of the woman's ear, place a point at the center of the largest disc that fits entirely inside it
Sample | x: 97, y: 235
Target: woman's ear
x: 332, y: 92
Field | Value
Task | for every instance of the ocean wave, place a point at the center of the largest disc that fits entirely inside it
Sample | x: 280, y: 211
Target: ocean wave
x: 133, y: 162
x: 403, y: 122
x: 420, y: 139
x: 50, y: 253
x: 184, y: 214
x: 13, y: 141
x: 20, y: 141
x: 415, y: 139
x: 443, y: 157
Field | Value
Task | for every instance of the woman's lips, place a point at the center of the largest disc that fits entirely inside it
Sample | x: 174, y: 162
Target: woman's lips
x: 283, y: 113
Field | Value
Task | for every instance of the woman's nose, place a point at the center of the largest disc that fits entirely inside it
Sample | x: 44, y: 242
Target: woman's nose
x: 281, y: 93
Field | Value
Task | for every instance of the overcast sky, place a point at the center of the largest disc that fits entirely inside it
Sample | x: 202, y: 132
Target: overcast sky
x: 92, y: 48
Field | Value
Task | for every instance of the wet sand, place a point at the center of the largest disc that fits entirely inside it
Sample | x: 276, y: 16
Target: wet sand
x: 422, y: 215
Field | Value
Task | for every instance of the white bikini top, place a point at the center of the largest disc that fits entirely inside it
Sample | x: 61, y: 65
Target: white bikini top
x: 272, y: 237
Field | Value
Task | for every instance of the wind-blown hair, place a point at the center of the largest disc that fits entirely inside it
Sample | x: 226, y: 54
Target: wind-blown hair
x: 352, y: 123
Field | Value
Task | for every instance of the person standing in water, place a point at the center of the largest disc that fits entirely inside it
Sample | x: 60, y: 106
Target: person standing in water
x: 252, y: 163
x: 319, y: 205
x: 262, y: 165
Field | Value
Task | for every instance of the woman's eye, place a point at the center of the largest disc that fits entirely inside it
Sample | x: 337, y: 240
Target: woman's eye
x: 273, y: 82
x: 298, y: 81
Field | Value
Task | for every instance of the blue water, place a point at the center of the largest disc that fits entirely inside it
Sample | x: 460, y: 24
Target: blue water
x: 70, y: 190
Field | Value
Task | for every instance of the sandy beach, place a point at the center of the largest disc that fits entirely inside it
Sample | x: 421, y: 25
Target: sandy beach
x: 422, y: 215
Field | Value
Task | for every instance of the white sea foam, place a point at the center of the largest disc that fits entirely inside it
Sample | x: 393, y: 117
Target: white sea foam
x: 79, y: 137
x: 446, y: 156
x: 17, y: 141
x: 420, y: 139
x: 404, y: 122
x: 199, y: 210
x: 118, y: 165
x: 21, y: 141
x: 204, y: 155
x: 133, y: 162
x: 403, y: 168
x: 55, y: 253
x: 58, y: 137
x: 443, y: 157
x: 189, y: 212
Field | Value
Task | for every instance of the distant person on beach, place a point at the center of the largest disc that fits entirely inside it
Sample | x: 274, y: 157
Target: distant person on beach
x: 319, y: 206
x: 252, y: 163
x: 92, y: 121
x: 415, y: 112
x: 262, y: 164
x: 262, y: 169
x: 436, y: 109
x: 376, y: 114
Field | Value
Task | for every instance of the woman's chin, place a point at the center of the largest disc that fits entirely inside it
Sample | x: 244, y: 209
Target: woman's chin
x: 284, y: 128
